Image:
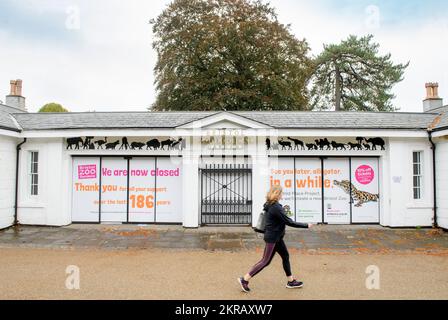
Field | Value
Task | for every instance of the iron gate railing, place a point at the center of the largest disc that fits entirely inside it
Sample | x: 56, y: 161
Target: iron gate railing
x: 226, y: 194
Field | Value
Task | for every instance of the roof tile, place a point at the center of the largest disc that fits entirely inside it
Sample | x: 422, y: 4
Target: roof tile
x: 305, y: 120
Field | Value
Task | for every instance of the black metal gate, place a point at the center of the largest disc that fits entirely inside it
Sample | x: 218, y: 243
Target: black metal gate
x: 226, y: 194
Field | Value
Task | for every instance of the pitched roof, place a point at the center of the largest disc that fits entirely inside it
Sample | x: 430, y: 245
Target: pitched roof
x: 342, y: 120
x: 106, y: 120
x: 6, y: 120
x: 276, y: 119
x: 7, y: 123
x: 443, y: 123
x: 9, y: 109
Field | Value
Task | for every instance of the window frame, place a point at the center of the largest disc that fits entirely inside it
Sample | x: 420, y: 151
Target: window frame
x: 33, y: 173
x: 417, y: 175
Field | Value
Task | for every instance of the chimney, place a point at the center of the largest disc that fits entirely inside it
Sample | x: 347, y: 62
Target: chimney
x: 15, y: 98
x: 432, y: 100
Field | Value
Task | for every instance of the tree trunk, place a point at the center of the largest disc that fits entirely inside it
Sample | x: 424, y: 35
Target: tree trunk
x: 337, y: 90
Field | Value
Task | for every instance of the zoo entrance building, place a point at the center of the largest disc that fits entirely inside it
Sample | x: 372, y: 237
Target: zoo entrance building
x: 214, y: 168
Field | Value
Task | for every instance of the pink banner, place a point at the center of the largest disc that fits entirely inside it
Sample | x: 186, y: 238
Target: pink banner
x: 87, y: 171
x: 364, y: 174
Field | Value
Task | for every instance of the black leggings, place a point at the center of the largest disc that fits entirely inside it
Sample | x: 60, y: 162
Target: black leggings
x: 269, y: 251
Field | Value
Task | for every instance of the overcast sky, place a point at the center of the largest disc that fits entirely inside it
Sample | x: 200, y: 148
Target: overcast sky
x: 97, y: 54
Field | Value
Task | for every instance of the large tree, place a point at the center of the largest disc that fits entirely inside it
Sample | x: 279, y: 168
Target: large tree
x: 52, y: 107
x: 353, y: 75
x: 228, y: 55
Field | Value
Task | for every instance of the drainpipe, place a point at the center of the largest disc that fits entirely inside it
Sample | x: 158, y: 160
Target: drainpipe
x: 434, y: 177
x: 18, y: 148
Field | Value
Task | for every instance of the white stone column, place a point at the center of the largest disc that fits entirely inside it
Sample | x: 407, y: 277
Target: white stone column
x: 190, y: 187
x: 386, y: 181
x: 260, y: 178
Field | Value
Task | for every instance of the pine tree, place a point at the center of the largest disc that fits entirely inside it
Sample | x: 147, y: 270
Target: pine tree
x: 353, y: 75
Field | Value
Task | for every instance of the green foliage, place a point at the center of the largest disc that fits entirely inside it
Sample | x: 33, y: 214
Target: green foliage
x: 228, y: 55
x: 53, y: 107
x: 353, y: 75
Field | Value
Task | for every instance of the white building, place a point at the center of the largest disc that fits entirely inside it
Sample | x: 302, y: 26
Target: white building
x: 196, y: 168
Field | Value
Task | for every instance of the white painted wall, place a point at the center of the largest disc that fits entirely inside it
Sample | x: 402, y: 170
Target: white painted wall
x: 51, y: 205
x: 404, y: 211
x: 442, y: 182
x: 7, y: 179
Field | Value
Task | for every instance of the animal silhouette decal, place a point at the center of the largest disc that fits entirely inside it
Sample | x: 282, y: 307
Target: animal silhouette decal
x: 74, y: 142
x: 359, y: 196
x: 100, y: 143
x: 124, y: 143
x: 297, y: 143
x: 112, y: 145
x: 90, y: 143
x: 360, y: 143
x: 137, y: 145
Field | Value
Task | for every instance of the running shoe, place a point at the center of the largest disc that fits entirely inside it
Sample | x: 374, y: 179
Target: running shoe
x: 294, y: 284
x: 244, y: 284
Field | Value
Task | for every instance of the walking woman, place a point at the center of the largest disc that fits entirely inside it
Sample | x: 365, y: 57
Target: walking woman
x: 276, y: 219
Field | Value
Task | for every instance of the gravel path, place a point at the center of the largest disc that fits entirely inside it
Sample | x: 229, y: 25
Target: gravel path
x: 27, y: 273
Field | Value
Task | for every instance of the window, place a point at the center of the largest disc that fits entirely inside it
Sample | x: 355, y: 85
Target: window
x: 34, y: 173
x: 417, y: 174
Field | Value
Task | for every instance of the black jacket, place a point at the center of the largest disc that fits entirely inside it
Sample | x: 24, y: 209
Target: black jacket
x: 276, y: 220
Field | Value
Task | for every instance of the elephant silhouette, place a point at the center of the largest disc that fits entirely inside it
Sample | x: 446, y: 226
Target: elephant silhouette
x: 74, y: 142
x: 376, y: 142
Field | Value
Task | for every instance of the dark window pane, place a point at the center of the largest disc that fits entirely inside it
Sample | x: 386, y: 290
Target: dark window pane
x: 416, y: 168
x: 34, y: 167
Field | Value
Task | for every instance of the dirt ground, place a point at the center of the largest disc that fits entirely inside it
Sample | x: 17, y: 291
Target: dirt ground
x: 197, y: 274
